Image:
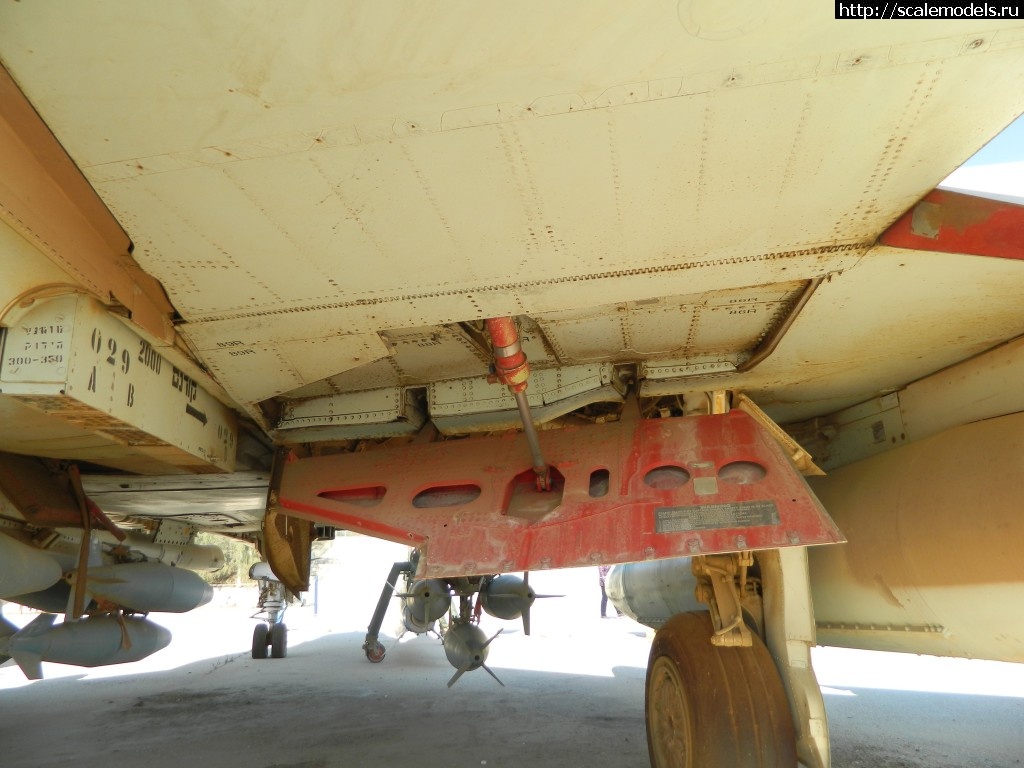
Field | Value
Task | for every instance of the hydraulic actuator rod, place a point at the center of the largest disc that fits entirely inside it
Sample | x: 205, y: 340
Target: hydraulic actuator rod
x: 512, y: 370
x: 539, y: 465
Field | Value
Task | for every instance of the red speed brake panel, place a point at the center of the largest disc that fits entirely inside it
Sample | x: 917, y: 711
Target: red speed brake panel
x: 624, y: 491
x: 951, y: 222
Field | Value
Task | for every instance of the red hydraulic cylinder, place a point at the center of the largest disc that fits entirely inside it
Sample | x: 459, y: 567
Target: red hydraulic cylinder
x: 510, y: 363
x: 512, y: 369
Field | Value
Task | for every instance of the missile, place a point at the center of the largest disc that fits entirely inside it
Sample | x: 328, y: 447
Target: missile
x: 25, y: 569
x: 465, y: 645
x: 95, y: 641
x: 425, y: 603
x: 146, y: 587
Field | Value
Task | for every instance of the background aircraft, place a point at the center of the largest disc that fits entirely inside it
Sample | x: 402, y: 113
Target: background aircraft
x: 523, y: 287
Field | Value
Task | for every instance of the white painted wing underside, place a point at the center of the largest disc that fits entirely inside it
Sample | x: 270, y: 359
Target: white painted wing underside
x: 325, y: 188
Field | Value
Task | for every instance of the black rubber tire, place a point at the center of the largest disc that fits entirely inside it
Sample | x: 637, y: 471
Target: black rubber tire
x: 712, y: 706
x: 260, y: 641
x: 278, y: 641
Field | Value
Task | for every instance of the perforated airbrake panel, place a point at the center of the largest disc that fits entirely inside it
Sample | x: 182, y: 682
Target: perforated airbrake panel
x: 678, y: 486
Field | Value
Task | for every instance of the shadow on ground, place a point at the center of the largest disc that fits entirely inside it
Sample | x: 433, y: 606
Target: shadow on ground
x: 325, y: 705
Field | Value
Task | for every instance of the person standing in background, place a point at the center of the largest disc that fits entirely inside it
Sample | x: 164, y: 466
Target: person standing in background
x: 602, y: 574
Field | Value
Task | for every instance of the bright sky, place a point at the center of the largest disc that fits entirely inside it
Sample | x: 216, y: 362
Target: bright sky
x: 1007, y: 147
x: 997, y: 170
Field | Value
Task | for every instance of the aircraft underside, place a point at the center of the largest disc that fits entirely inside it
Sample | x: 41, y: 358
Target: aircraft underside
x: 520, y: 288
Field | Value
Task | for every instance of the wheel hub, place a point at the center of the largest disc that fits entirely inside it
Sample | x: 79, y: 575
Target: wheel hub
x: 669, y: 719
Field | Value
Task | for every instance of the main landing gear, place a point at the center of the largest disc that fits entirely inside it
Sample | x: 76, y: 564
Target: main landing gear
x: 711, y: 705
x: 733, y: 685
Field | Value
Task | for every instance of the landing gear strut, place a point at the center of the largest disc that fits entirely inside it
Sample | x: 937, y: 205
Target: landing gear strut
x: 272, y: 635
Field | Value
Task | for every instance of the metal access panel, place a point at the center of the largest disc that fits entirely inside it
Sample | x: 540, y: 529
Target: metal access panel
x: 625, y: 491
x: 78, y: 383
x: 375, y: 413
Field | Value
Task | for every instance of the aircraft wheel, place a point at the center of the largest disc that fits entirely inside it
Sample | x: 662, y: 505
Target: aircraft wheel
x: 260, y: 641
x: 375, y: 653
x: 278, y: 641
x: 707, y: 705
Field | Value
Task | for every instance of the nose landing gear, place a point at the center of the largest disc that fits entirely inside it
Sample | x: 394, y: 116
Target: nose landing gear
x: 272, y: 635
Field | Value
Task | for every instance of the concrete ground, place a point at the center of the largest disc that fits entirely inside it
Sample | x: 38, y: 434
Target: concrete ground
x: 573, y: 694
